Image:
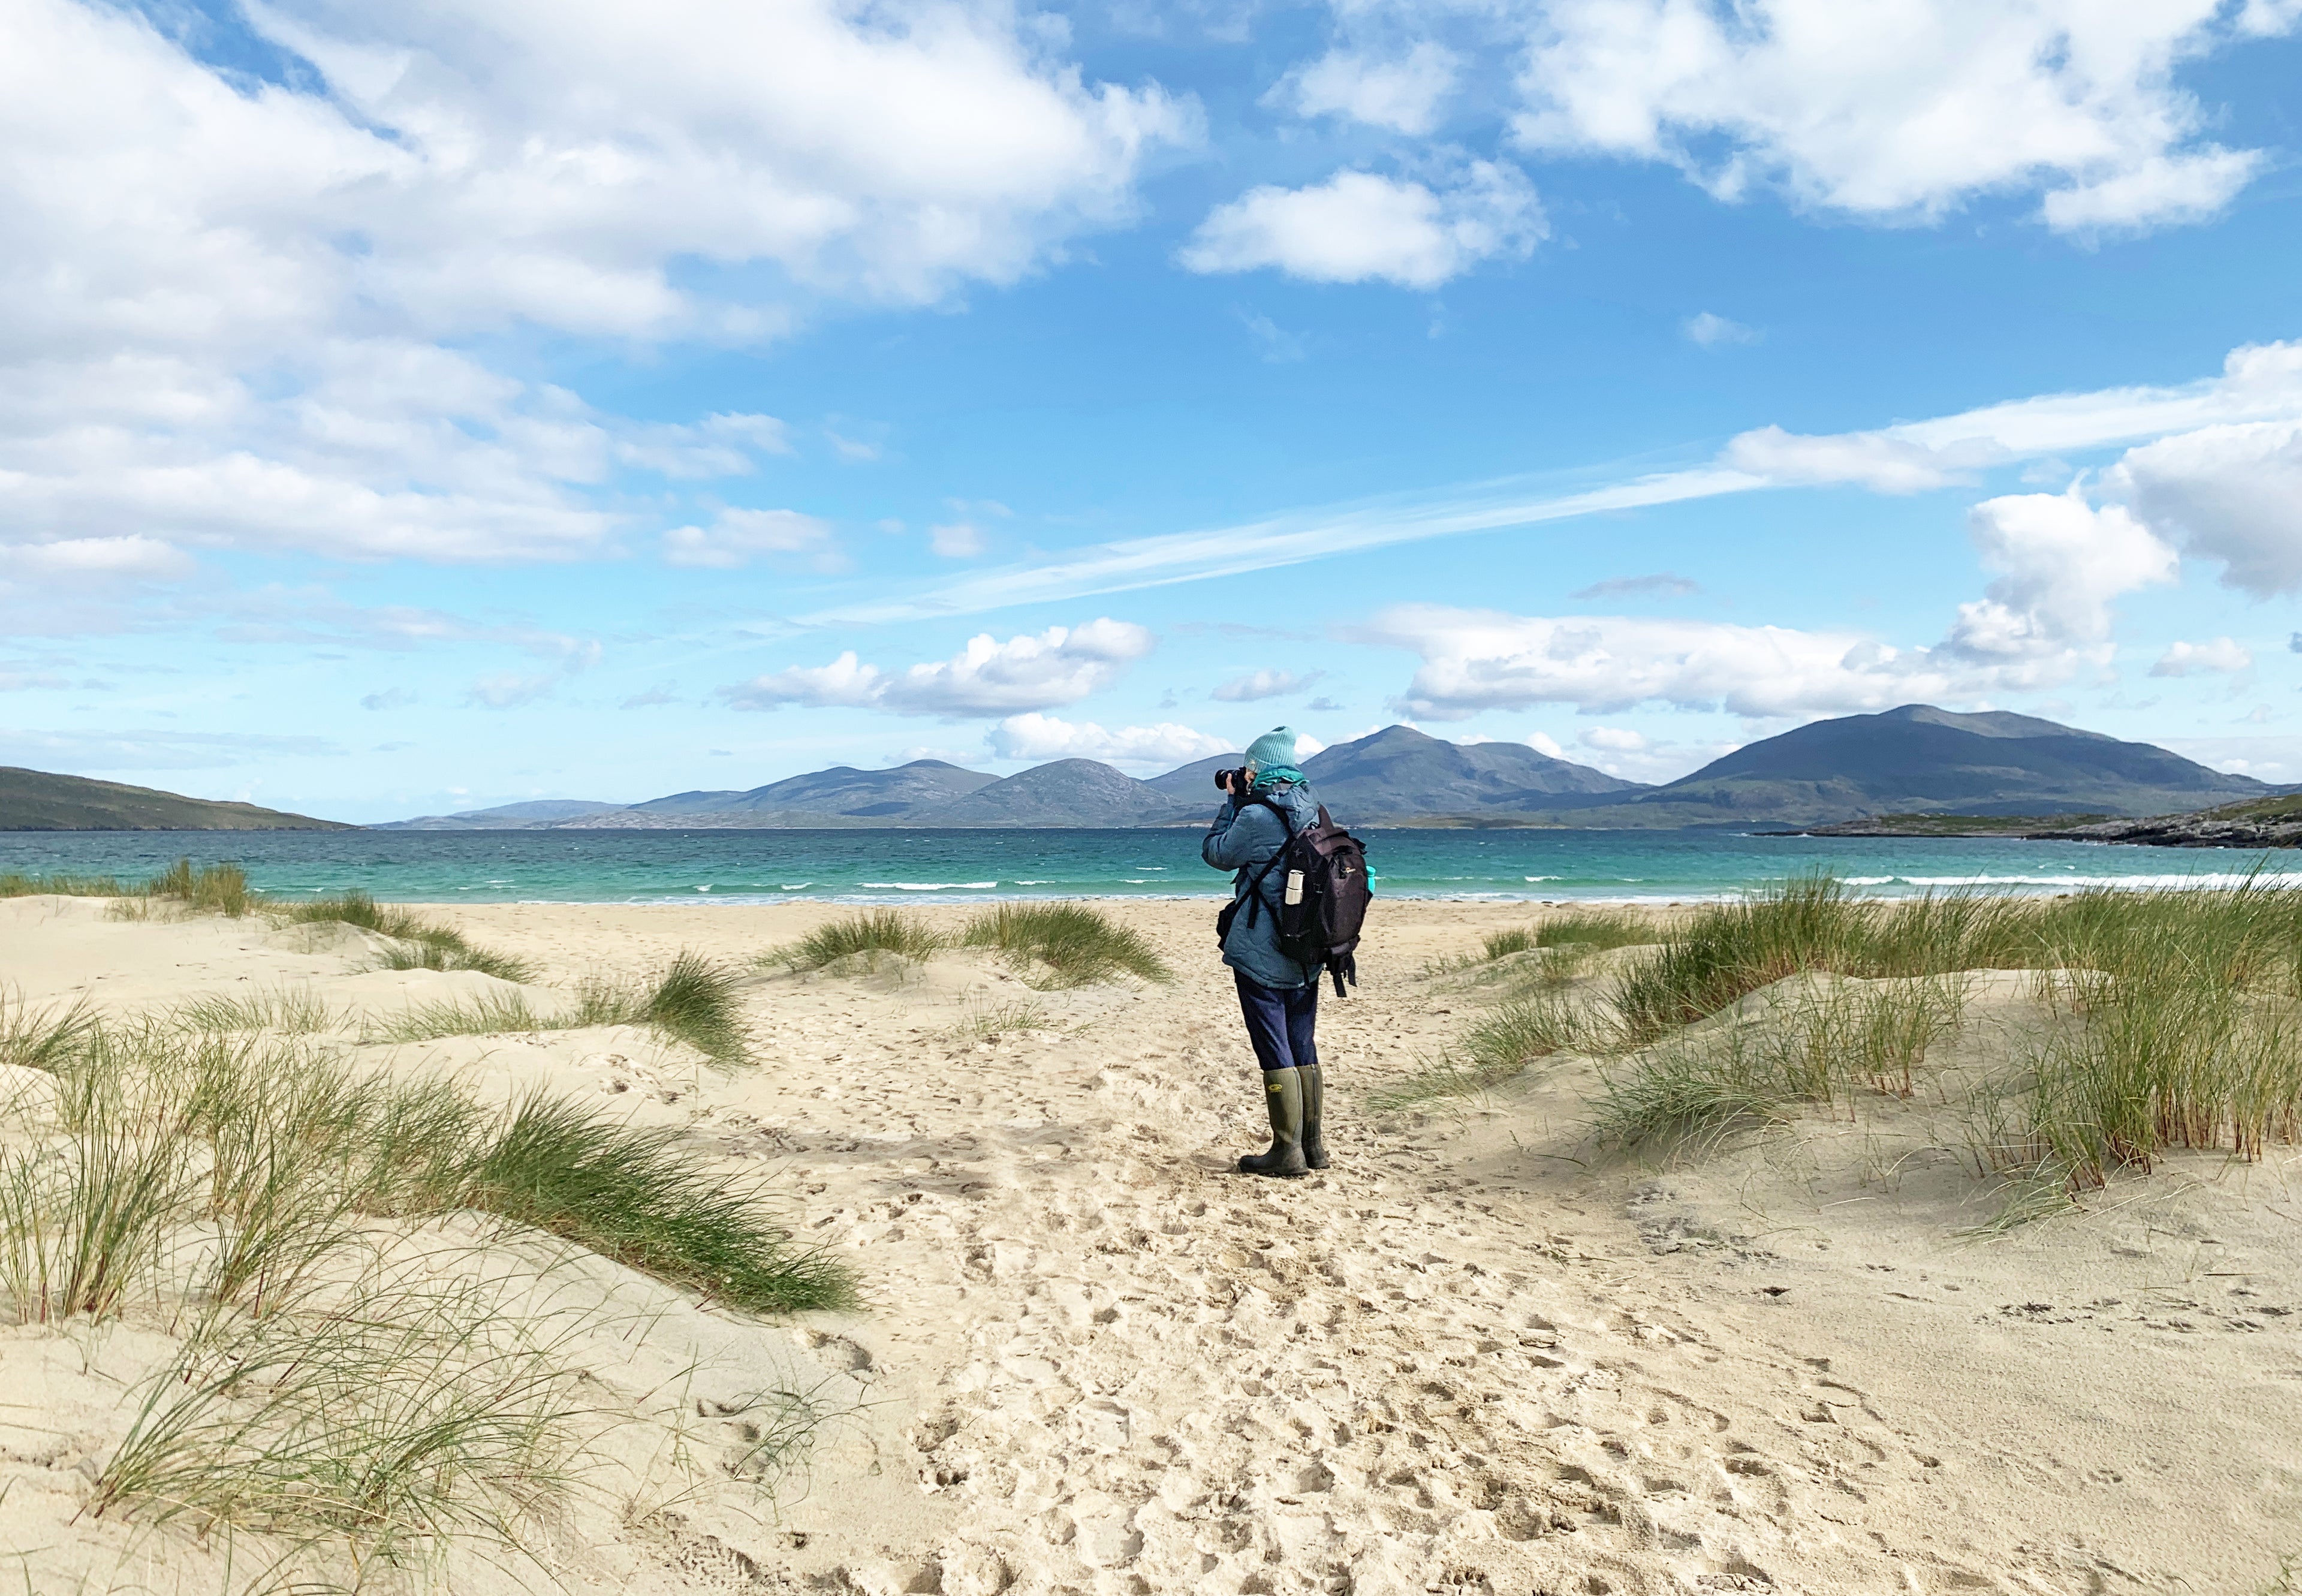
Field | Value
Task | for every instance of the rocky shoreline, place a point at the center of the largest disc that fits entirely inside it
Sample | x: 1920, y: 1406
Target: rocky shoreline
x: 2263, y: 823
x: 2208, y: 830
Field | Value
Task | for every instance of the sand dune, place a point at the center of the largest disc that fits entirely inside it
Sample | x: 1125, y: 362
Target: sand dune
x: 1472, y: 1357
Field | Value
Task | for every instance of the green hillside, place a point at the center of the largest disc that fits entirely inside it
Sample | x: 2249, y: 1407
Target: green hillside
x: 1919, y: 760
x: 39, y: 800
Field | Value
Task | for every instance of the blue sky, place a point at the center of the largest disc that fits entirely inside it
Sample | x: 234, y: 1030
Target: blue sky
x: 421, y: 408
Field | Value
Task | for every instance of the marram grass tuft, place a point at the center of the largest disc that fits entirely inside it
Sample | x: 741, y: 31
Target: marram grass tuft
x: 876, y: 931
x: 1065, y: 944
x: 488, y: 1014
x: 214, y: 888
x: 422, y: 944
x: 364, y: 1394
x: 693, y: 1001
x: 634, y: 1195
x: 2182, y: 1011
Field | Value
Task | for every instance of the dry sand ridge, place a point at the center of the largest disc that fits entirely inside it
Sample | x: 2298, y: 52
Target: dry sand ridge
x: 1472, y: 1356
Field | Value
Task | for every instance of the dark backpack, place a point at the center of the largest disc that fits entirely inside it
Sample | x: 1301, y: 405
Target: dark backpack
x: 1324, y: 896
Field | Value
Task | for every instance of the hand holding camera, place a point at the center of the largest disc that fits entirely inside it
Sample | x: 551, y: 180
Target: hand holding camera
x: 1234, y: 781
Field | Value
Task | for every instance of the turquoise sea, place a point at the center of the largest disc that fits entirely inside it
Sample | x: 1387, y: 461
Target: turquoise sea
x: 893, y: 866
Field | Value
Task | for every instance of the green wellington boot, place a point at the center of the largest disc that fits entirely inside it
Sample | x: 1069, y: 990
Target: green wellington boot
x: 1315, y: 1145
x: 1282, y: 1096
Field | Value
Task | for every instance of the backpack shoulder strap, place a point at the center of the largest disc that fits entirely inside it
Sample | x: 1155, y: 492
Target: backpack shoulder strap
x: 1285, y: 824
x: 1255, y: 888
x: 1286, y: 827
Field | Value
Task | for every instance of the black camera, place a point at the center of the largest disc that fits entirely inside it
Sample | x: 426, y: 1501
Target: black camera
x: 1225, y: 779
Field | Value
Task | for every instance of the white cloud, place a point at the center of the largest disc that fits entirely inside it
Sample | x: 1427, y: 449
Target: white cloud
x: 390, y: 698
x: 1060, y: 666
x: 2222, y: 655
x: 1879, y: 461
x: 2061, y: 561
x: 509, y: 690
x: 1711, y: 331
x: 2231, y: 493
x: 2258, y: 383
x: 1611, y: 739
x: 385, y: 449
x: 2268, y: 17
x: 956, y: 540
x: 1261, y: 684
x: 1899, y: 111
x: 2237, y: 429
x: 1040, y: 738
x: 554, y: 159
x: 847, y: 682
x: 1658, y: 584
x: 1475, y: 659
x: 92, y: 749
x: 1636, y: 757
x: 2263, y: 758
x: 132, y: 558
x: 1274, y: 345
x: 2157, y: 190
x: 721, y: 445
x: 1358, y: 227
x: 736, y: 536
x: 1403, y: 95
x: 227, y: 306
x: 313, y: 616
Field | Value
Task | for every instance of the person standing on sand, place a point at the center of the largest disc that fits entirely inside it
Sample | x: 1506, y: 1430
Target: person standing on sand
x: 1279, y: 995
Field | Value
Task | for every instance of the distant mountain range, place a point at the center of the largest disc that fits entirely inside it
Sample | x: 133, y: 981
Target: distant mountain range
x: 1401, y: 774
x: 1398, y: 774
x: 508, y: 816
x: 38, y: 801
x: 1917, y: 760
x: 839, y: 796
x: 924, y: 793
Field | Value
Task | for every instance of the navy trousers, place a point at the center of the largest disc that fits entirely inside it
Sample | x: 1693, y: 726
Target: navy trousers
x: 1280, y: 1022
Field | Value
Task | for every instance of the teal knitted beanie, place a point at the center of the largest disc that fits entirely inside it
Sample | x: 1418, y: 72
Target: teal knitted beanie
x: 1275, y: 748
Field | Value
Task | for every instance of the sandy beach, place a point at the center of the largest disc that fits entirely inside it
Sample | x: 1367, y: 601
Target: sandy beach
x: 1474, y: 1356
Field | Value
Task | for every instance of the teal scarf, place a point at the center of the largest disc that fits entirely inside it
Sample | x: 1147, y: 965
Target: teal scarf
x: 1277, y: 776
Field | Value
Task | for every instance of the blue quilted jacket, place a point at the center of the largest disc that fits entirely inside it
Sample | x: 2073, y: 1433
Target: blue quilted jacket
x: 1244, y: 838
